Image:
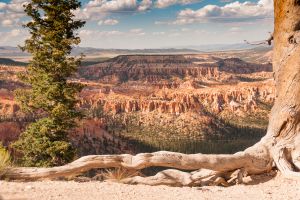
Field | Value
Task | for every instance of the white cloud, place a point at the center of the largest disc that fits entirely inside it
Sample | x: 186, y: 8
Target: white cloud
x: 231, y: 12
x: 99, y: 9
x: 160, y: 23
x: 174, y: 34
x: 145, y: 5
x: 2, y: 5
x: 110, y: 22
x: 7, y: 22
x: 13, y: 37
x: 235, y: 29
x: 137, y: 32
x: 226, y: 1
x: 167, y: 3
x: 158, y: 33
x: 15, y: 32
x: 17, y: 5
x: 11, y: 13
x: 185, y: 29
x: 87, y: 34
x: 113, y: 5
x: 92, y: 33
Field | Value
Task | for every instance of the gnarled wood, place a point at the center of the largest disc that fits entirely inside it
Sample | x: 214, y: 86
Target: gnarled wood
x: 249, y: 160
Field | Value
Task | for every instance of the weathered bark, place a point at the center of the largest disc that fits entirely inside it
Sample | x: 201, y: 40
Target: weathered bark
x: 283, y: 135
x: 280, y: 146
x: 252, y: 160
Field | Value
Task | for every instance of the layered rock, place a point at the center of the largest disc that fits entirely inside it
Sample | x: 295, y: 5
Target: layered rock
x: 8, y: 106
x: 238, y: 66
x: 175, y: 93
x: 164, y: 67
x: 240, y: 97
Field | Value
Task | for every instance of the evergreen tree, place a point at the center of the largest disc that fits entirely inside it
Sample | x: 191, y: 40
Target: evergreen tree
x: 51, y: 97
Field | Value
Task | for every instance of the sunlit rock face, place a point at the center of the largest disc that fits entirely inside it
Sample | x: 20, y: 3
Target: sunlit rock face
x: 156, y: 68
x: 175, y: 101
x: 186, y: 95
x: 177, y: 84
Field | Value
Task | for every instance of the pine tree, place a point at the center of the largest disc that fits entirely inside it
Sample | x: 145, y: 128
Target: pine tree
x: 51, y: 97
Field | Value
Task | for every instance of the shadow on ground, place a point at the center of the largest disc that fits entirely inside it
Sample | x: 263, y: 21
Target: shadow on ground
x: 257, y: 179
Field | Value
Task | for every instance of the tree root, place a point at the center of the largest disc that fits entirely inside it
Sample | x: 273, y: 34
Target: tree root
x: 203, y: 177
x: 287, y: 168
x: 223, y: 169
x: 254, y: 161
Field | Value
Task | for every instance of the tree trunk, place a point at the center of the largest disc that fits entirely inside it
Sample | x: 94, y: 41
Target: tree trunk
x: 283, y: 136
x: 280, y: 146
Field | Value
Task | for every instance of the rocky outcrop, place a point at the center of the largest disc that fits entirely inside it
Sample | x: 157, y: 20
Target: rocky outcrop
x: 239, y: 97
x: 108, y: 74
x: 175, y: 93
x: 156, y: 68
x: 9, y: 131
x: 8, y: 106
x: 238, y: 66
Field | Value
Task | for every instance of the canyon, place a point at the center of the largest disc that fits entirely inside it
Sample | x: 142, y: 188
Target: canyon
x: 130, y: 99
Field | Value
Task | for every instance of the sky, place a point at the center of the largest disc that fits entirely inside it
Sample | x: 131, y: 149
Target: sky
x: 141, y: 24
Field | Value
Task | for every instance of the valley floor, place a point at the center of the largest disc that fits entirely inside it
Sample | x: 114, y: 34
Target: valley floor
x: 262, y: 188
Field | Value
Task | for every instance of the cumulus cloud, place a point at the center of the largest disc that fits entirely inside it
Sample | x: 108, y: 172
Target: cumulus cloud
x: 13, y: 37
x: 113, y: 5
x: 226, y: 1
x: 11, y: 13
x: 175, y: 34
x: 93, y: 33
x: 99, y: 9
x: 145, y: 5
x: 7, y: 22
x: 167, y: 3
x: 87, y: 34
x: 159, y: 33
x: 235, y: 29
x: 94, y: 10
x: 109, y: 22
x: 137, y: 32
x: 2, y: 5
x: 230, y: 12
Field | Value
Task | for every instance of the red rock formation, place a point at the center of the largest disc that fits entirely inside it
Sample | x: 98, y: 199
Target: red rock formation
x: 171, y: 85
x: 9, y: 131
x: 243, y: 97
x: 156, y: 68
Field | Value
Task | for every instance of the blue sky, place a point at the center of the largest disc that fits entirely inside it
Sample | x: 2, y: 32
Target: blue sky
x: 155, y: 23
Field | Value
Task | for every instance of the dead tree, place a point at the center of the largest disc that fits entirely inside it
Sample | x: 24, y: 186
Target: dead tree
x: 267, y: 41
x: 279, y: 148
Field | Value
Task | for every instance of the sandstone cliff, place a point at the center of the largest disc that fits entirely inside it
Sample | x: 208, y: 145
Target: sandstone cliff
x: 130, y: 98
x: 175, y: 101
x: 163, y: 67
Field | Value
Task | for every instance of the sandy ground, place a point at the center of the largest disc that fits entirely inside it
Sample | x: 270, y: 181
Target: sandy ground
x: 266, y: 188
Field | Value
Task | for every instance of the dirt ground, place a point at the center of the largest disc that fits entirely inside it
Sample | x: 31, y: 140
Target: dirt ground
x: 260, y: 188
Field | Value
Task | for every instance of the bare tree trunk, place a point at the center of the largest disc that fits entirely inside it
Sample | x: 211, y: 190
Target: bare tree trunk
x: 283, y: 136
x: 280, y: 146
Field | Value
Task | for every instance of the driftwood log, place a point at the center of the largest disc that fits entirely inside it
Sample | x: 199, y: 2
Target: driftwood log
x: 279, y: 148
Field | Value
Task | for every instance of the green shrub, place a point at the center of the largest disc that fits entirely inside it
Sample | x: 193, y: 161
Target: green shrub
x: 51, y: 97
x: 4, y: 159
x: 44, y: 144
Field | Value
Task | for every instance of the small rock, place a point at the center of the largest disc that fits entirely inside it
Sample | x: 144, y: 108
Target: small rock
x: 29, y: 187
x: 247, y: 179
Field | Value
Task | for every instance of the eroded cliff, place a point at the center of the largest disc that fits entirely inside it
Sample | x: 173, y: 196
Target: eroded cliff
x: 129, y: 100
